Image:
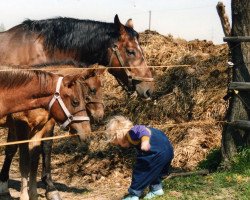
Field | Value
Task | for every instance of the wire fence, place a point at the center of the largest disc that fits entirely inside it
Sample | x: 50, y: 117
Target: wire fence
x: 167, y: 125
x: 53, y: 67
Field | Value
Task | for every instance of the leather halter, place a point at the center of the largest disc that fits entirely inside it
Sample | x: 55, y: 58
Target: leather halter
x: 93, y: 100
x: 70, y: 117
x: 131, y: 77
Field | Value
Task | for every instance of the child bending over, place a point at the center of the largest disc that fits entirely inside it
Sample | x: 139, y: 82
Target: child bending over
x: 154, y: 155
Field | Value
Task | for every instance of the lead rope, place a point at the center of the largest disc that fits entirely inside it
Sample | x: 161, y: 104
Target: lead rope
x: 70, y: 118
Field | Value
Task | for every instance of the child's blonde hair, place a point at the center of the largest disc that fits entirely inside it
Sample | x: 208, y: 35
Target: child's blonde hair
x: 117, y: 127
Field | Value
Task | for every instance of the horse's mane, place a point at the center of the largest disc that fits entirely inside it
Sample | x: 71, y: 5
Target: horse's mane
x: 16, y: 78
x: 84, y: 36
x: 58, y: 64
x: 61, y: 64
x: 67, y: 67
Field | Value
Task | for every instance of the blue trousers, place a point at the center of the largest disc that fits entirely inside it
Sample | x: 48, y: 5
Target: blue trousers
x: 152, y: 165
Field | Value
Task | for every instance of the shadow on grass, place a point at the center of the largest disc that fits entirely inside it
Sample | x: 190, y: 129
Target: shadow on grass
x: 212, y: 161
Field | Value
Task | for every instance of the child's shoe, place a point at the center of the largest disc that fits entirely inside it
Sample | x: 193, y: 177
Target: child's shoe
x: 131, y: 197
x: 153, y: 194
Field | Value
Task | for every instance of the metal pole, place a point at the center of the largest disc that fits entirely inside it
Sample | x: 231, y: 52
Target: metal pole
x: 149, y: 25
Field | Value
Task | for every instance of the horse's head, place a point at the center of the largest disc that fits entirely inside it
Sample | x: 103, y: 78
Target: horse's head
x: 93, y: 93
x: 134, y: 74
x: 70, y: 109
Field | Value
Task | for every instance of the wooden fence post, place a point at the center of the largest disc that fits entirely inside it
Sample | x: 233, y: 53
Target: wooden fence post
x: 236, y: 134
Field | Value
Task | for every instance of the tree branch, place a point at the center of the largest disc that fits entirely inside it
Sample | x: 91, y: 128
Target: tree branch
x: 184, y: 174
x: 224, y: 19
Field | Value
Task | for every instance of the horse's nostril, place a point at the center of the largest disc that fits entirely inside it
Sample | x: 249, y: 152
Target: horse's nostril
x: 148, y: 93
x: 73, y: 131
x: 88, y: 99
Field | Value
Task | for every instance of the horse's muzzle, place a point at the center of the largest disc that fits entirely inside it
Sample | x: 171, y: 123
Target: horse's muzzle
x: 145, y: 89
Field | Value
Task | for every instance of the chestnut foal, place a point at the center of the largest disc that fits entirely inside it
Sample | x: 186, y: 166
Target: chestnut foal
x: 60, y: 95
x: 26, y: 90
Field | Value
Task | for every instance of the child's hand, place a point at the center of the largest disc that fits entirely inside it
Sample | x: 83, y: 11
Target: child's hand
x: 145, y: 145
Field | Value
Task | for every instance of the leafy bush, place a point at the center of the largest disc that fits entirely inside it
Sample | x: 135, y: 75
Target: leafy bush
x: 212, y: 160
x: 241, y: 162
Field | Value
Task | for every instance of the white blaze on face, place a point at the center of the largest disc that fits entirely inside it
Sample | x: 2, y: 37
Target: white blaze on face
x: 138, y: 46
x: 140, y: 49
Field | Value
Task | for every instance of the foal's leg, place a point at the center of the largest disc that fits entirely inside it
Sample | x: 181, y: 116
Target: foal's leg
x: 22, y: 134
x: 10, y: 152
x: 51, y: 191
x: 35, y: 149
x: 24, y: 169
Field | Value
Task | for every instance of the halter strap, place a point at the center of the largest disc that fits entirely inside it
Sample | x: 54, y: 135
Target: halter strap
x: 70, y: 117
x: 92, y: 100
x: 116, y: 51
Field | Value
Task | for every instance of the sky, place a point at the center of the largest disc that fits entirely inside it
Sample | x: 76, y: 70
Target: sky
x: 187, y: 19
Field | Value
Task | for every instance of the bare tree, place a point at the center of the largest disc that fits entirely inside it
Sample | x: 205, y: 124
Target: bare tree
x: 236, y: 133
x: 2, y: 28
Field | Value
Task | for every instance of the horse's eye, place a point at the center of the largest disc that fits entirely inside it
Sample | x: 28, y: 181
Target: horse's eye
x: 130, y: 52
x: 93, y: 91
x: 75, y: 103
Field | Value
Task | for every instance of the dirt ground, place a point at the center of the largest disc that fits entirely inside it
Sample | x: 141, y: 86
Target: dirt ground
x: 188, y: 107
x: 72, y: 189
x: 71, y: 181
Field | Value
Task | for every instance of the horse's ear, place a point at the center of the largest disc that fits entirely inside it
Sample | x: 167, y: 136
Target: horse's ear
x: 119, y: 26
x: 130, y: 23
x: 70, y: 80
x: 117, y: 21
x: 97, y: 70
x: 100, y: 71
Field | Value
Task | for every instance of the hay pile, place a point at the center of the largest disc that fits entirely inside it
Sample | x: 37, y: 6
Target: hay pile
x: 189, y: 99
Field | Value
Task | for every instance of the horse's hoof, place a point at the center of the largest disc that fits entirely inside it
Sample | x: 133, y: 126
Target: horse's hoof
x: 33, y: 196
x: 53, y: 195
x: 5, y: 196
x: 4, y: 190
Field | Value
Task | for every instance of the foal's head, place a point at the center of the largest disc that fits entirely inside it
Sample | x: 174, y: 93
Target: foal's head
x: 71, y: 92
x: 126, y: 52
x: 93, y: 93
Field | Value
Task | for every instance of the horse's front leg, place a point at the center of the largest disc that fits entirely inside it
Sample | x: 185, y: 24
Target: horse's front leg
x: 51, y: 191
x: 24, y: 169
x: 10, y: 152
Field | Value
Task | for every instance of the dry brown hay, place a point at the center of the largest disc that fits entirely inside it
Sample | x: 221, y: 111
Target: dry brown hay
x: 185, y: 94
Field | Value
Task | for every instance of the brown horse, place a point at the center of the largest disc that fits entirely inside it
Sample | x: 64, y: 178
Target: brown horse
x: 60, y: 39
x: 38, y: 123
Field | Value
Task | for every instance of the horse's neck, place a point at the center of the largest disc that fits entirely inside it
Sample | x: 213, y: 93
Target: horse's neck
x: 91, y: 47
x: 30, y: 96
x: 67, y: 69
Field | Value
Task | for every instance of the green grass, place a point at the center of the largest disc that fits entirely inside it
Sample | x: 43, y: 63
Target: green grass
x: 228, y: 185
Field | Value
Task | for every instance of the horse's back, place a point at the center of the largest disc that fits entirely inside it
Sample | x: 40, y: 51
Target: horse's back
x: 20, y: 47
